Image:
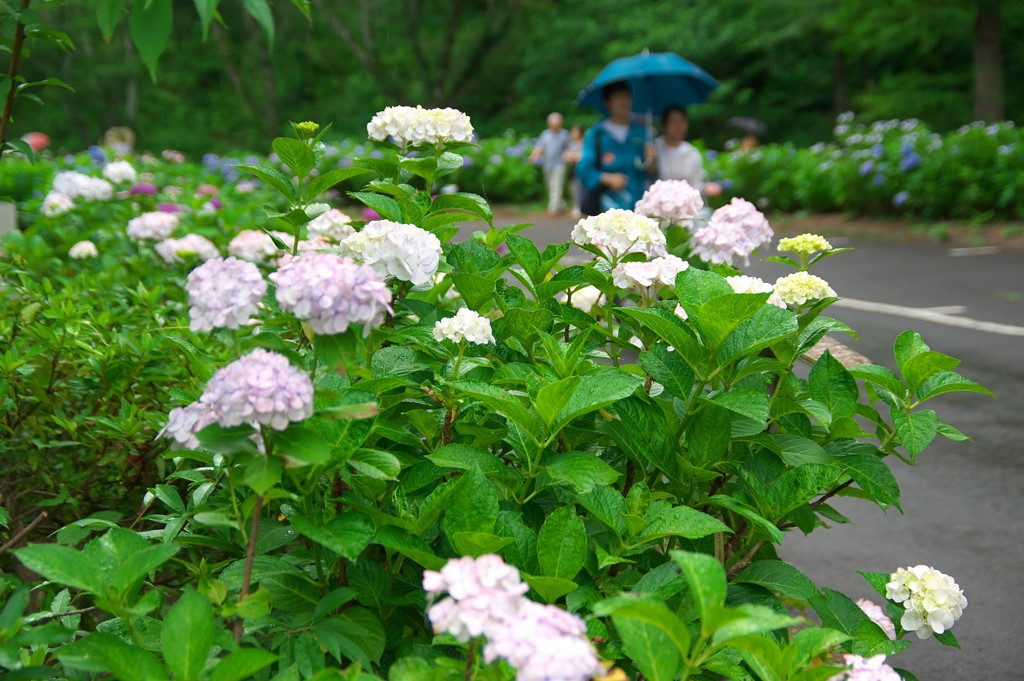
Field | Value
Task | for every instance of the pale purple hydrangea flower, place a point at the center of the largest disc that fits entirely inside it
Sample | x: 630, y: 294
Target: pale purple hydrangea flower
x: 867, y: 669
x: 397, y: 250
x: 184, y: 422
x: 331, y: 292
x: 734, y: 230
x: 486, y: 598
x: 223, y: 293
x: 154, y: 225
x: 482, y: 592
x: 672, y: 202
x: 175, y: 250
x: 544, y: 643
x: 261, y: 387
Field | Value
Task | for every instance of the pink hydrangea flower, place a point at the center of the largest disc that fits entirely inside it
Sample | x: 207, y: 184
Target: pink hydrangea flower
x: 734, y: 231
x: 331, y: 292
x: 223, y: 293
x: 672, y: 202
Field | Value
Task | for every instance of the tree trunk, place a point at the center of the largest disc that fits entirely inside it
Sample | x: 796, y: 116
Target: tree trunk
x: 840, y: 99
x: 988, y: 62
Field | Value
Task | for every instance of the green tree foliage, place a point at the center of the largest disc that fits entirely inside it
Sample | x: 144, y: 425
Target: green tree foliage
x: 793, y: 63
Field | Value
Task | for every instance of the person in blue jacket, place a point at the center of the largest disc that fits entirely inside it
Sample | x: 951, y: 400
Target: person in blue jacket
x: 613, y: 168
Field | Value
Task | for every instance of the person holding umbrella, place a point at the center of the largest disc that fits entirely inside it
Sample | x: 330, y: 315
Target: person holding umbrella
x: 613, y: 166
x: 646, y: 84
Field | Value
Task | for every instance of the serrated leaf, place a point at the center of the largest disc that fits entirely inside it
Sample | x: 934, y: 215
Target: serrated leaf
x: 779, y: 576
x: 188, y: 635
x: 562, y: 544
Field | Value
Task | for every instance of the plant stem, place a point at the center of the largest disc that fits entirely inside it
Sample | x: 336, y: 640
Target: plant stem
x: 13, y: 541
x: 470, y: 661
x: 12, y: 72
x: 250, y: 554
x: 745, y: 560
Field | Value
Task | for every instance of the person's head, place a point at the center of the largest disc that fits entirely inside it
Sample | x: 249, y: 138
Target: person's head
x: 675, y: 124
x: 555, y: 121
x: 618, y: 98
x: 576, y: 132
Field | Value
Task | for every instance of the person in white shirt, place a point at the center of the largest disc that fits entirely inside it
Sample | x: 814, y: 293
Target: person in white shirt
x: 677, y: 159
x: 551, y: 145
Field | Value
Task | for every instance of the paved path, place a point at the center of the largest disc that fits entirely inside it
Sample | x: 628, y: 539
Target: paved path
x: 963, y: 502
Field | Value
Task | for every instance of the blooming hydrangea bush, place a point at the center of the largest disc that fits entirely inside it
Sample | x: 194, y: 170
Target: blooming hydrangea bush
x: 392, y: 453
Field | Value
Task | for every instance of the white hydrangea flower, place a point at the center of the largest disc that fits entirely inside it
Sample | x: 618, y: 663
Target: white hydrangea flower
x: 583, y: 299
x: 414, y: 126
x: 801, y: 287
x: 647, y: 275
x: 77, y: 185
x: 867, y: 669
x: 261, y: 387
x: 734, y: 230
x: 466, y: 325
x: 334, y: 225
x: 331, y: 292
x: 255, y: 245
x: 119, y: 171
x: 544, y: 643
x: 175, y: 250
x: 618, y: 232
x: 56, y: 204
x: 83, y: 250
x: 805, y: 244
x: 933, y: 601
x: 745, y: 284
x: 223, y: 293
x: 397, y: 250
x: 878, y: 616
x: 673, y: 202
x: 482, y: 592
x: 154, y: 225
x: 184, y: 422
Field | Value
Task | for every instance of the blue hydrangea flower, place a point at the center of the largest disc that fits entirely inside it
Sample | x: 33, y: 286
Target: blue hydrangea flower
x: 866, y: 167
x: 879, y: 179
x: 900, y: 199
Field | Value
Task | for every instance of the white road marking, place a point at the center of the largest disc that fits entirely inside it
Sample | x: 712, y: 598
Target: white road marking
x: 947, y: 309
x: 930, y: 315
x: 980, y: 250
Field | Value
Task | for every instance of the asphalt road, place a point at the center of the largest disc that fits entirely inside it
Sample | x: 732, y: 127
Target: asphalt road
x: 963, y: 514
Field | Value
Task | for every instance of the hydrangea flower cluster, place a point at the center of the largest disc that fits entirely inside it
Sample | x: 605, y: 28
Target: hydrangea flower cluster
x: 673, y: 202
x: 333, y: 224
x: 255, y: 246
x: 544, y: 643
x: 56, y: 204
x: 867, y: 669
x: 619, y: 232
x: 583, y: 299
x: 734, y: 231
x: 414, y: 126
x: 154, y: 225
x: 174, y: 250
x: 805, y: 244
x: 878, y: 616
x: 397, y: 250
x: 933, y: 601
x: 83, y: 250
x: 78, y: 185
x: 184, y: 422
x: 223, y: 293
x: 802, y: 287
x: 485, y: 598
x: 466, y: 325
x: 331, y: 292
x: 119, y: 172
x: 645, y: 275
x: 745, y: 284
x: 482, y: 592
x: 261, y: 387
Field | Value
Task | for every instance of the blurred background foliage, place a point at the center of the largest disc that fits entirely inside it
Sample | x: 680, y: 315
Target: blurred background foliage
x: 794, y: 64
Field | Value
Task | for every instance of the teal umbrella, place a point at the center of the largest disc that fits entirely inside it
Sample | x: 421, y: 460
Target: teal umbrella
x: 658, y: 81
